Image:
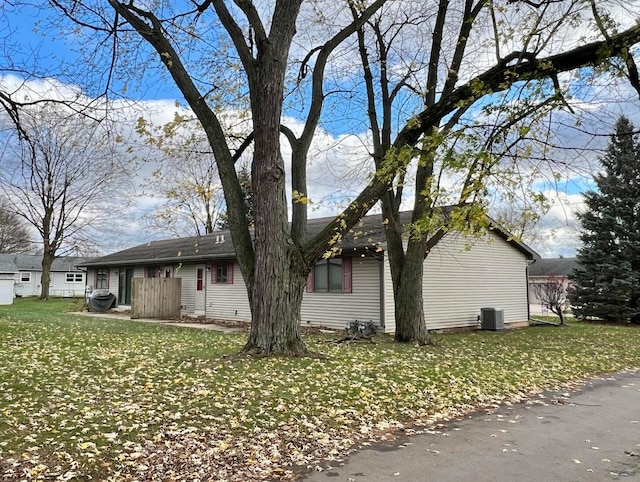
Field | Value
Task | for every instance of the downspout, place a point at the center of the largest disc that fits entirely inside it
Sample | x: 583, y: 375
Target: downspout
x: 526, y: 280
x: 382, y: 300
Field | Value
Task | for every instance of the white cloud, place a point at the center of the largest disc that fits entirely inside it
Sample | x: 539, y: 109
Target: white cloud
x: 339, y: 165
x: 559, y: 228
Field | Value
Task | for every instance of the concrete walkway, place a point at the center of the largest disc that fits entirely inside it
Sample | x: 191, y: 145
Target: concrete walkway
x: 126, y: 316
x: 592, y: 434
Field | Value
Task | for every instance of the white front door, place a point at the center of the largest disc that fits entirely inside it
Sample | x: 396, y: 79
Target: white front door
x: 201, y: 291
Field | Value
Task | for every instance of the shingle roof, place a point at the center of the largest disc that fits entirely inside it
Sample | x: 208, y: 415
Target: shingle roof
x: 30, y: 262
x: 7, y: 265
x: 367, y: 234
x: 552, y: 266
x: 219, y: 245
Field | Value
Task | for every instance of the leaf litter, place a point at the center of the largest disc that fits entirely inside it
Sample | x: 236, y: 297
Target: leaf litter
x: 117, y: 401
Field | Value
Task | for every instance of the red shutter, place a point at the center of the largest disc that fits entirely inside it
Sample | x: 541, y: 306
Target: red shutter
x: 346, y: 274
x: 230, y: 272
x: 310, y: 281
x: 214, y: 273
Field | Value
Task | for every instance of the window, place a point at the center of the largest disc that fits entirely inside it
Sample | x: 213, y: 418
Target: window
x: 102, y: 279
x: 25, y: 277
x: 152, y: 271
x: 330, y: 275
x: 199, y: 279
x: 74, y: 278
x: 222, y: 272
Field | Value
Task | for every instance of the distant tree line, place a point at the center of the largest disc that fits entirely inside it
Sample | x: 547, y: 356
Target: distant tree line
x: 14, y: 233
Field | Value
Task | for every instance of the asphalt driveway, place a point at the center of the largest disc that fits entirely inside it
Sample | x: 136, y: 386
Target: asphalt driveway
x: 591, y: 434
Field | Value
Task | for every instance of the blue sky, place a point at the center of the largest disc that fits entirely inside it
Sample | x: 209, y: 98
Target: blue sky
x: 54, y: 50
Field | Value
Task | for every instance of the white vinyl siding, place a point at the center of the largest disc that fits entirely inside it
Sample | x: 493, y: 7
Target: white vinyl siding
x: 389, y: 302
x: 58, y: 287
x: 460, y: 276
x: 188, y: 274
x: 463, y: 275
x: 534, y: 280
x: 31, y: 287
x: 228, y: 301
x: 61, y: 286
x: 113, y: 281
x: 335, y: 310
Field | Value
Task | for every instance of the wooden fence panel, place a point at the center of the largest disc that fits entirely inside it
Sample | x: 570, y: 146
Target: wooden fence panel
x: 156, y: 298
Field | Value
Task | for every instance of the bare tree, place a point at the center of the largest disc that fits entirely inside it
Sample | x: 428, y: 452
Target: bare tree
x: 61, y: 174
x: 553, y: 293
x: 185, y: 178
x: 276, y: 261
x: 14, y: 233
x: 522, y: 221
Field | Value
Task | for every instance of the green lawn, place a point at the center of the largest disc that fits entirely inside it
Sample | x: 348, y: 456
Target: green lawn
x: 119, y: 400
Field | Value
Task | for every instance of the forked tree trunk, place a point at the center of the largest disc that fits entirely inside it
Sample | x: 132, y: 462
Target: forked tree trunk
x: 280, y: 272
x: 279, y: 278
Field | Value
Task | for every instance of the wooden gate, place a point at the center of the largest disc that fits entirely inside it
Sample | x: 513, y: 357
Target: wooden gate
x: 156, y: 298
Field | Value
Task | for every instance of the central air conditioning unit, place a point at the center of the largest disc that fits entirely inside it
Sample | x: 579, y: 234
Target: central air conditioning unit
x: 362, y: 328
x: 492, y: 319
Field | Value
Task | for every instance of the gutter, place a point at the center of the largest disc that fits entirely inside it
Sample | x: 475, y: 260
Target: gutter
x: 382, y: 299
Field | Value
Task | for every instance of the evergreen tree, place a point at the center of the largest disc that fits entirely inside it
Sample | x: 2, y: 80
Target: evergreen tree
x: 607, y: 279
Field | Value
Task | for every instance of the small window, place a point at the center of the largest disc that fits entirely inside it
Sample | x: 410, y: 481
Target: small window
x: 74, y: 278
x: 330, y: 276
x: 25, y: 277
x: 221, y: 273
x: 102, y: 279
x: 199, y: 279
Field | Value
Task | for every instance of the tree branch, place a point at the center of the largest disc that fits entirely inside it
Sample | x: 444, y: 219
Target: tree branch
x: 500, y: 77
x: 503, y: 76
x: 235, y: 32
x: 210, y: 122
x: 253, y: 17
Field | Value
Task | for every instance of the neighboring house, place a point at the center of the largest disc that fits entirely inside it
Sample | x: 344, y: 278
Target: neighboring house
x: 8, y: 269
x: 540, y: 271
x: 461, y: 276
x: 66, y: 279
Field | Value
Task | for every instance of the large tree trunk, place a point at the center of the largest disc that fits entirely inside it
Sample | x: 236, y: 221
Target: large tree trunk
x: 45, y: 279
x: 277, y: 296
x: 280, y: 273
x: 409, y: 305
